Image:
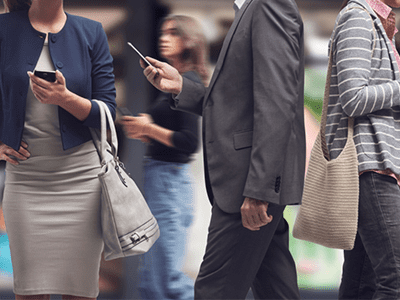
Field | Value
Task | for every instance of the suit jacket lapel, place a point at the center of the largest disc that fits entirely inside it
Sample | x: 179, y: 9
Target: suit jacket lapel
x: 225, y: 47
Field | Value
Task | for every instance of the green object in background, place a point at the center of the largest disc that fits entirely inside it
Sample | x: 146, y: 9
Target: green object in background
x: 314, y: 88
x: 318, y: 267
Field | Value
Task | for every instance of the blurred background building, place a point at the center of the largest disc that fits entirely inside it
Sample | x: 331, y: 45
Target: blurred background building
x: 319, y: 268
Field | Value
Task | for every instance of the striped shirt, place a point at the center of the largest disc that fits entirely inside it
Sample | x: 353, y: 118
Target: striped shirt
x: 364, y: 85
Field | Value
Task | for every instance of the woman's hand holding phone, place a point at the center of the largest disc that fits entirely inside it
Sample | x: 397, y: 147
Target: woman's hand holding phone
x: 49, y: 92
x: 56, y: 93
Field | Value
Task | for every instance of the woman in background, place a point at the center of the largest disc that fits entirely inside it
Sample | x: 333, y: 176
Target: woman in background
x: 52, y: 193
x: 172, y: 138
x: 365, y: 86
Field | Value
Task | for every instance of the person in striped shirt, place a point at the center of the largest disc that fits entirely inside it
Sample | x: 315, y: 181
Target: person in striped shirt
x: 365, y: 85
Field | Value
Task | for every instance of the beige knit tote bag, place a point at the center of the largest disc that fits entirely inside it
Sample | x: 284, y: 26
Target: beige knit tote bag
x: 329, y: 212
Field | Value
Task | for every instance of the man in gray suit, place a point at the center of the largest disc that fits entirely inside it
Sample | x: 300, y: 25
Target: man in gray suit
x: 254, y: 149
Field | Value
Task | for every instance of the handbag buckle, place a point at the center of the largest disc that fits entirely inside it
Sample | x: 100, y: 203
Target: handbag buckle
x: 135, y: 238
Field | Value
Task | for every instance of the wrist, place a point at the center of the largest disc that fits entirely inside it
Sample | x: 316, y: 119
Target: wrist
x: 179, y: 86
x: 66, y: 99
x: 148, y: 128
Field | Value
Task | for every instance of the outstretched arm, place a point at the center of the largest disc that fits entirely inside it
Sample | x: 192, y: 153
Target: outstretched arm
x: 167, y: 79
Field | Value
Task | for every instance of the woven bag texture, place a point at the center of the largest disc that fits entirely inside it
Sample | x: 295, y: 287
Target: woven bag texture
x: 329, y: 213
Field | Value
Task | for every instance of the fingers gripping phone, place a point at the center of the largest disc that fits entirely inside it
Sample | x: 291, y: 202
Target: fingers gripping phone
x: 46, y: 75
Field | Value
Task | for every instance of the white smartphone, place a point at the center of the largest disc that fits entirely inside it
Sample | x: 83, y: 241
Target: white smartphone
x: 140, y: 54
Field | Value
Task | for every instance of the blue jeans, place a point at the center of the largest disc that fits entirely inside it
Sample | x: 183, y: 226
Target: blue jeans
x: 372, y: 269
x: 169, y: 194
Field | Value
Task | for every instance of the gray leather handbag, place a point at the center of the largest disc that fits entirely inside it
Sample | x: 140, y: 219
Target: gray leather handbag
x: 129, y: 227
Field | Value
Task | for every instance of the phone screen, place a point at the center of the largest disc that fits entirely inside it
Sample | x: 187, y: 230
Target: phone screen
x: 46, y: 75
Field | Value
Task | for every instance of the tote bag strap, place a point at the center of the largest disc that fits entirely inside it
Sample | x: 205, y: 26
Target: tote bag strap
x: 103, y: 147
x: 350, y: 122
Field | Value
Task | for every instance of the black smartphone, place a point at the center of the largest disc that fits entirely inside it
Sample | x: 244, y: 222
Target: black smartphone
x: 46, y: 75
x: 124, y: 111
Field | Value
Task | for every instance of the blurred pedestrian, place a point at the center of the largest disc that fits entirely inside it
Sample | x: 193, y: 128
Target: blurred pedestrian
x: 172, y: 138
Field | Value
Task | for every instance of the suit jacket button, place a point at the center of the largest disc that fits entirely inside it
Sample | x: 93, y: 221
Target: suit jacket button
x: 277, y: 184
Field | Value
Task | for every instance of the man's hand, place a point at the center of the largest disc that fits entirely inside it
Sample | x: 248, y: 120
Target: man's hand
x: 254, y: 214
x: 163, y: 76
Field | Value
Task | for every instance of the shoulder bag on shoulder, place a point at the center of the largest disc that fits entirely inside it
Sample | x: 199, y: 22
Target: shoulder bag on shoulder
x: 329, y: 212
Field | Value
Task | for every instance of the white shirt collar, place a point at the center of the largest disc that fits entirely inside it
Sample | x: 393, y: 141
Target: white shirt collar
x: 239, y: 3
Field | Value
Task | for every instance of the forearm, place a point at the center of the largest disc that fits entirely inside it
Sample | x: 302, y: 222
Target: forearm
x: 78, y: 106
x: 160, y: 134
x: 370, y: 99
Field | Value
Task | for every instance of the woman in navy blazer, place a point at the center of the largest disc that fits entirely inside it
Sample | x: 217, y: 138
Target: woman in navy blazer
x: 52, y: 193
x: 80, y: 52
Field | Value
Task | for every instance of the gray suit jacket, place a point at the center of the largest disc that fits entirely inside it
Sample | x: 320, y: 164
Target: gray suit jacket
x: 253, y: 112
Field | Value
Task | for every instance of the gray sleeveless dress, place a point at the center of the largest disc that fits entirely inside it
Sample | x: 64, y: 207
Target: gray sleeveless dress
x: 52, y: 208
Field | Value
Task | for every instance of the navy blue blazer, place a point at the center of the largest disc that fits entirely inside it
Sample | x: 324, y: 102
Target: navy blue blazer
x: 80, y: 51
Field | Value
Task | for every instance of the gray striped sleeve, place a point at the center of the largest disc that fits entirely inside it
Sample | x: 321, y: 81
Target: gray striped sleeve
x: 353, y: 41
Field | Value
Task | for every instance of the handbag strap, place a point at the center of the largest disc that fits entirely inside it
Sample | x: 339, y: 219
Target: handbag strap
x: 350, y: 122
x: 101, y: 143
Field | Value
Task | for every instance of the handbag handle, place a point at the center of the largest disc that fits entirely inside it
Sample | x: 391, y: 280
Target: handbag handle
x: 101, y: 143
x: 350, y: 122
